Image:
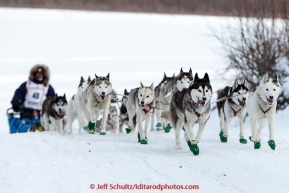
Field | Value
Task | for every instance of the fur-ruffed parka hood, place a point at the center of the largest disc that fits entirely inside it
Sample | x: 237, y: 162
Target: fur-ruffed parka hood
x: 40, y: 68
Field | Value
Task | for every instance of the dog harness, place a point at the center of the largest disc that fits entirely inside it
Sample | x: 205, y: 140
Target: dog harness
x: 235, y: 112
x: 35, y: 95
x: 192, y: 102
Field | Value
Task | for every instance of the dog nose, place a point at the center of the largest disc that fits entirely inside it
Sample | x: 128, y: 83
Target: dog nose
x: 142, y: 102
x: 271, y: 97
x: 103, y: 93
x: 59, y: 109
x: 244, y: 99
x: 204, y: 98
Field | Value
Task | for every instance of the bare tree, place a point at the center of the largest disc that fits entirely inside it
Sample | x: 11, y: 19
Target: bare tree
x: 259, y: 44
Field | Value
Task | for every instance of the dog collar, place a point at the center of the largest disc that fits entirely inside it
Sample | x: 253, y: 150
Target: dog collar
x: 261, y: 106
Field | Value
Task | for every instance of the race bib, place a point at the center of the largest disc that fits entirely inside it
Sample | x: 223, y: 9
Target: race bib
x: 36, y: 94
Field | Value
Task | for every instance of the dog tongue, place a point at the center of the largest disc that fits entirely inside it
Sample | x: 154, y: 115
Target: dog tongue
x: 270, y: 101
x: 200, y: 102
x: 242, y: 103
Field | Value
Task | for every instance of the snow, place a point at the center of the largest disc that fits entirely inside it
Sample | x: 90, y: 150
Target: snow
x: 132, y: 48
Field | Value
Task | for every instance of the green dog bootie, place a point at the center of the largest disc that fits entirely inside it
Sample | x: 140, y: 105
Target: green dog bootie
x: 257, y: 145
x: 189, y: 144
x: 251, y: 139
x: 222, y: 138
x: 91, y: 127
x: 167, y: 128
x: 195, y: 149
x: 102, y: 133
x: 128, y: 130
x: 272, y: 144
x: 159, y: 126
x: 242, y: 140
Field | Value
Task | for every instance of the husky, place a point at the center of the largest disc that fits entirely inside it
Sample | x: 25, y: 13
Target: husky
x: 53, y: 113
x: 182, y: 81
x: 112, y: 124
x: 75, y: 109
x: 123, y: 114
x: 191, y: 106
x: 262, y: 106
x: 160, y: 102
x: 141, y: 102
x: 98, y: 95
x: 235, y: 106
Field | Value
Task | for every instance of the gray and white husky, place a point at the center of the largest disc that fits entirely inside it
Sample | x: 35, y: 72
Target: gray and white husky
x: 98, y: 95
x: 141, y: 103
x: 182, y: 81
x: 191, y: 106
x: 235, y: 106
x: 75, y: 109
x: 112, y: 124
x: 161, y: 103
x: 53, y: 113
x: 124, y: 116
x: 262, y: 106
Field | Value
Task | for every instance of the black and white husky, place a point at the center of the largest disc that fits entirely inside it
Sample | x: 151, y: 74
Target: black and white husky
x: 75, y: 109
x: 189, y: 107
x: 112, y: 124
x: 124, y: 116
x: 141, y: 103
x: 261, y: 107
x: 98, y: 96
x: 182, y: 81
x: 53, y: 113
x: 234, y: 106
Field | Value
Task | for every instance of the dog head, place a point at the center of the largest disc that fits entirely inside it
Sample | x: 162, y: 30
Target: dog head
x: 83, y: 84
x: 165, y: 81
x: 201, y: 90
x: 102, y: 86
x: 112, y: 112
x: 145, y: 95
x: 269, y: 89
x: 240, y: 93
x: 59, y: 105
x: 124, y: 98
x: 184, y: 80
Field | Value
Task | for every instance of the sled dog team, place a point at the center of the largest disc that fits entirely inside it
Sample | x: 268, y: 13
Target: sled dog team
x: 178, y: 102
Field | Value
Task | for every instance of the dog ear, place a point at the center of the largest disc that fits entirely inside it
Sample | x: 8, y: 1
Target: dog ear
x: 89, y: 79
x: 235, y: 84
x: 165, y: 76
x: 190, y: 72
x: 141, y: 85
x: 276, y: 79
x: 81, y: 79
x: 265, y: 78
x: 125, y: 92
x: 64, y: 96
x: 173, y: 75
x: 246, y: 83
x: 107, y: 77
x: 196, y: 78
x: 96, y: 77
x: 152, y: 86
x: 206, y: 77
x: 56, y: 95
x: 181, y: 72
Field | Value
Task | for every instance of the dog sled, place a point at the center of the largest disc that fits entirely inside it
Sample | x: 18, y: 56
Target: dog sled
x: 23, y: 121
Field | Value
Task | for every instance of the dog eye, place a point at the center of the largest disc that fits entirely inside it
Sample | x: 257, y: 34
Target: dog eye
x: 267, y: 89
x: 274, y: 89
x: 181, y: 81
x: 207, y: 90
x: 199, y: 90
x: 147, y: 96
x: 189, y: 82
x: 141, y: 95
x: 106, y: 87
x: 239, y: 93
x: 99, y: 86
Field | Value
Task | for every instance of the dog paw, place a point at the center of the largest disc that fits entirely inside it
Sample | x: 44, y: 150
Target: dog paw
x: 222, y: 137
x: 272, y: 144
x: 195, y: 149
x: 178, y: 147
x: 257, y: 145
x: 144, y: 141
x: 243, y: 141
